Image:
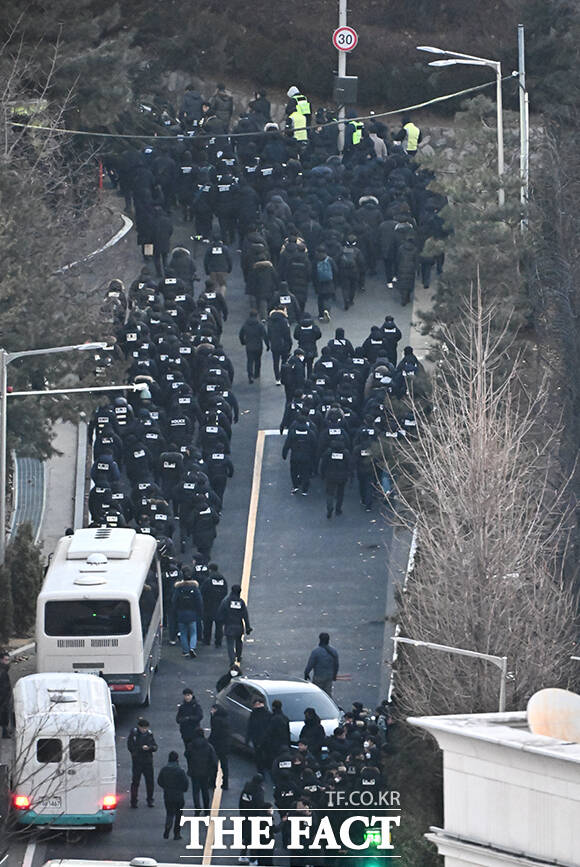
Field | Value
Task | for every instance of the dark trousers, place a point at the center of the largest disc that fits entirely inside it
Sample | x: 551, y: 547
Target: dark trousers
x: 426, y: 273
x: 324, y: 303
x: 365, y: 486
x: 147, y: 771
x: 235, y: 645
x: 300, y: 473
x: 309, y: 364
x: 277, y: 358
x: 225, y: 766
x: 173, y: 817
x: 207, y: 627
x: 160, y: 260
x: 390, y: 267
x: 200, y: 786
x: 334, y: 492
x: 253, y: 363
x: 218, y: 484
x: 349, y: 285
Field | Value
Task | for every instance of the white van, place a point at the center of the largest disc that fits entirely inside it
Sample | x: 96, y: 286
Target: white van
x: 100, y: 610
x: 65, y: 768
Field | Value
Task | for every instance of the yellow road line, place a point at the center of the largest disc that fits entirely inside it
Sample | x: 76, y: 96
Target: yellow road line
x: 215, y: 808
x: 253, y: 514
x: 246, y: 574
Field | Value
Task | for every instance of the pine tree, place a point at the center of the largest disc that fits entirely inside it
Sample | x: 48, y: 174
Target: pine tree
x: 24, y: 566
x: 6, y: 605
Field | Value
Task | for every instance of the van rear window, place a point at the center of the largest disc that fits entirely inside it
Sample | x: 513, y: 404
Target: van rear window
x: 87, y: 617
x: 82, y: 750
x: 48, y: 750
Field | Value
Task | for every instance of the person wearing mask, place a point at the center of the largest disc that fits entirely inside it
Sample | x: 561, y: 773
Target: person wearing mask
x: 213, y: 592
x: 323, y: 664
x: 201, y: 768
x: 189, y: 715
x: 188, y: 606
x: 253, y: 336
x: 173, y: 780
x: 234, y: 615
x: 141, y: 744
x: 5, y: 694
x: 220, y: 739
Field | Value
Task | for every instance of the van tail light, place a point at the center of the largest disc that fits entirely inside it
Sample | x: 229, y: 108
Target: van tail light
x: 109, y: 802
x: 21, y: 802
x: 122, y: 687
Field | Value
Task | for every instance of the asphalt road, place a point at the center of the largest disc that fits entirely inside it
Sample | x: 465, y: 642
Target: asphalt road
x: 307, y: 574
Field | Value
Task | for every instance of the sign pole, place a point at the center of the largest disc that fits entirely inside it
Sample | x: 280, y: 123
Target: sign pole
x: 342, y: 14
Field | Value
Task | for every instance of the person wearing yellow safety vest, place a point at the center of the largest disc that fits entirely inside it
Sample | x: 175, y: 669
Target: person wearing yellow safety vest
x: 300, y: 102
x: 409, y: 134
x: 353, y: 132
x: 299, y: 129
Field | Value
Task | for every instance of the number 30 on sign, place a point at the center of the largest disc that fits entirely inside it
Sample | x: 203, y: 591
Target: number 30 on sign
x: 345, y: 38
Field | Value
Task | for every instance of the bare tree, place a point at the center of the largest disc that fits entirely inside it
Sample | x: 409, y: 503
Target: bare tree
x: 482, y: 485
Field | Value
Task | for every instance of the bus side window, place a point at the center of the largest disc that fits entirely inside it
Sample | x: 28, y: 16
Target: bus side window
x: 147, y: 603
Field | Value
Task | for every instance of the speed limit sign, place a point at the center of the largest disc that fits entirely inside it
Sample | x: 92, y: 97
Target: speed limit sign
x: 345, y: 38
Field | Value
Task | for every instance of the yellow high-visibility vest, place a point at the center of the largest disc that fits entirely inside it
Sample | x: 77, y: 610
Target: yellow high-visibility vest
x: 413, y: 133
x: 357, y: 126
x: 302, y: 103
x: 299, y: 125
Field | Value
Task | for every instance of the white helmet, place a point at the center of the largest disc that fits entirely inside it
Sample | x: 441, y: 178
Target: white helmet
x: 293, y: 91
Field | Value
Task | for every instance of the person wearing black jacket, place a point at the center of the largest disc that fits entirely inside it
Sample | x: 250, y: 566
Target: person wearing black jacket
x: 312, y: 732
x: 141, y: 744
x: 201, y: 767
x: 213, y: 592
x: 257, y: 734
x: 251, y: 802
x: 307, y: 334
x: 302, y: 444
x: 253, y: 336
x: 278, y: 732
x: 189, y: 715
x: 293, y: 374
x: 280, y: 339
x: 162, y: 231
x: 220, y: 739
x: 234, y: 615
x: 391, y: 336
x: 188, y: 606
x: 335, y: 469
x: 173, y: 780
x: 217, y: 263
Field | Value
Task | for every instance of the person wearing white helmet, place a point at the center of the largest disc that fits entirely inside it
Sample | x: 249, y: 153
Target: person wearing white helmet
x: 298, y: 102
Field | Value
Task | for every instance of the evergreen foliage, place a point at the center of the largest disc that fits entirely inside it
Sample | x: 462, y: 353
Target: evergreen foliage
x: 24, y: 566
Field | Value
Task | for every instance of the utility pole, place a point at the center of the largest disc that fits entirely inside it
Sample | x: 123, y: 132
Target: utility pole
x: 524, y: 128
x: 342, y: 16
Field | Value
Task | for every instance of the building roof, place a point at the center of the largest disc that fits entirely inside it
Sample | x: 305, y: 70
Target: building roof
x: 504, y: 729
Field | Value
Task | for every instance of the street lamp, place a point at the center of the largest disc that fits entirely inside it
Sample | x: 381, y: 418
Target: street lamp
x: 455, y: 58
x: 7, y: 358
x: 499, y: 661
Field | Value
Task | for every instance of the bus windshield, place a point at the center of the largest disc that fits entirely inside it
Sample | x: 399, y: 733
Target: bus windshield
x: 87, y: 617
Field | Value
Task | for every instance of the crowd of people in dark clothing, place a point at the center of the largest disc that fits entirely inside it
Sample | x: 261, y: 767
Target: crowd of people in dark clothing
x: 309, y: 226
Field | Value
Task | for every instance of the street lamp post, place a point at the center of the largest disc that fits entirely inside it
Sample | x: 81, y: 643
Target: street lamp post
x: 7, y: 358
x: 499, y: 661
x: 455, y: 58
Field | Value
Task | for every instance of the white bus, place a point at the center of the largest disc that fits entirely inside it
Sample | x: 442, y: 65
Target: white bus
x: 100, y: 610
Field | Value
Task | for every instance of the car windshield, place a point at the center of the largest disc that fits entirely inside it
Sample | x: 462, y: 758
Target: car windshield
x: 294, y: 704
